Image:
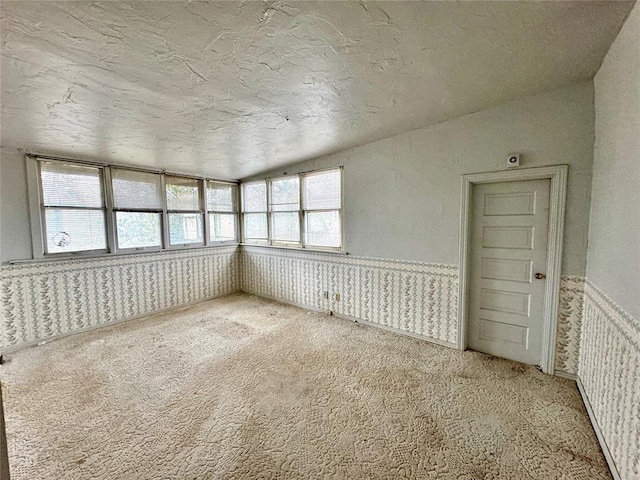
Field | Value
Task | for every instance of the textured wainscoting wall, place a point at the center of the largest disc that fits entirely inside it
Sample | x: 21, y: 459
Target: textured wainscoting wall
x: 610, y: 374
x: 414, y: 297
x: 569, y: 324
x: 44, y: 300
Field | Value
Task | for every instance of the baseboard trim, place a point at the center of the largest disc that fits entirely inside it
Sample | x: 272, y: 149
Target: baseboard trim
x: 596, y: 428
x: 36, y: 343
x: 358, y: 320
x: 568, y: 376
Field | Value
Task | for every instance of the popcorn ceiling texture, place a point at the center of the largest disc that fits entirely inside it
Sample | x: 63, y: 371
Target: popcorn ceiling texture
x: 230, y: 89
x: 242, y: 387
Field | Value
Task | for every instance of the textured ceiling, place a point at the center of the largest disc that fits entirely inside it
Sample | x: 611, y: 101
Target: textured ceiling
x: 230, y: 89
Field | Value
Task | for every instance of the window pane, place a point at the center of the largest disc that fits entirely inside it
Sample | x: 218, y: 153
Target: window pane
x: 185, y: 228
x: 286, y: 227
x: 323, y: 229
x: 138, y: 229
x: 285, y: 194
x: 67, y: 185
x: 72, y: 230
x: 132, y: 189
x: 322, y: 191
x: 222, y: 227
x: 254, y: 197
x: 221, y: 197
x: 255, y: 226
x: 183, y: 193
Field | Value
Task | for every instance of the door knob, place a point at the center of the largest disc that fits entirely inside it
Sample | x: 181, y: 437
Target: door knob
x: 540, y: 275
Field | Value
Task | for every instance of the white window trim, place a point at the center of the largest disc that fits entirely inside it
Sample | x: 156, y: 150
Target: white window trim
x: 202, y: 188
x: 36, y: 211
x: 235, y: 213
x: 340, y: 211
x: 255, y: 241
x: 270, y: 212
x: 301, y: 214
x: 114, y: 211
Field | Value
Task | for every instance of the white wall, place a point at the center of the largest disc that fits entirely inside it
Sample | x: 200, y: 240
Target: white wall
x: 614, y: 237
x: 402, y: 194
x: 609, y: 367
x: 15, y: 230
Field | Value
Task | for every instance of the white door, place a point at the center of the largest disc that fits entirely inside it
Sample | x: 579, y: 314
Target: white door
x: 509, y: 224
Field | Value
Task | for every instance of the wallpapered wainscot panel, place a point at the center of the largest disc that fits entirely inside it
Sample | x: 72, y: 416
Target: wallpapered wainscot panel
x: 569, y: 323
x: 610, y: 374
x: 415, y: 297
x: 44, y: 300
x: 420, y: 298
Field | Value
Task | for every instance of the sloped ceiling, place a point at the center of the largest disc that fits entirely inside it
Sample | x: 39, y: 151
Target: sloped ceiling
x: 230, y: 89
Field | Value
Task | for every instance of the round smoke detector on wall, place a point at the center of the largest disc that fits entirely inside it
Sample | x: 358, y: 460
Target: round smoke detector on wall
x: 513, y: 160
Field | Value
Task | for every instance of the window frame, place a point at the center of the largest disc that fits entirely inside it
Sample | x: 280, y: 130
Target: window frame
x: 304, y: 211
x: 37, y: 211
x: 270, y: 212
x: 256, y: 241
x: 302, y: 244
x: 161, y: 211
x: 42, y: 209
x: 201, y: 194
x: 235, y: 189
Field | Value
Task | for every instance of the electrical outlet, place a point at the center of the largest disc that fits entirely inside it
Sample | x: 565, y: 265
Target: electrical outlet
x: 326, y: 295
x: 337, y: 297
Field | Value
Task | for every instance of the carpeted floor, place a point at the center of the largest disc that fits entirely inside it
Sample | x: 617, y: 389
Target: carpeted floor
x: 243, y: 387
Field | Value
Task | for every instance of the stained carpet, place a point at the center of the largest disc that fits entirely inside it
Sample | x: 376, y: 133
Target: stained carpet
x: 244, y: 388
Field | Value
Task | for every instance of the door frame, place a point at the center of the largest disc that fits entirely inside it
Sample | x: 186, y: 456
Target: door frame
x: 557, y: 204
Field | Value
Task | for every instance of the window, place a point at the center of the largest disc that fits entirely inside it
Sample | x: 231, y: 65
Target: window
x: 73, y: 208
x: 303, y: 210
x: 254, y: 206
x: 222, y: 210
x: 285, y: 210
x: 83, y: 208
x: 184, y: 210
x: 137, y: 203
x: 322, y: 209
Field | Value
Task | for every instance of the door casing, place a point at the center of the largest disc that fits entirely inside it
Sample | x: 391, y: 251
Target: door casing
x: 557, y: 204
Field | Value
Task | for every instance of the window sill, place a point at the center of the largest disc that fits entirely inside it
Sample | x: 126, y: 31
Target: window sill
x: 80, y: 256
x: 297, y: 249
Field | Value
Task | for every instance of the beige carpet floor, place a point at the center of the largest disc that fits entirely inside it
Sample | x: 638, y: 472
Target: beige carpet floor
x: 245, y: 388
